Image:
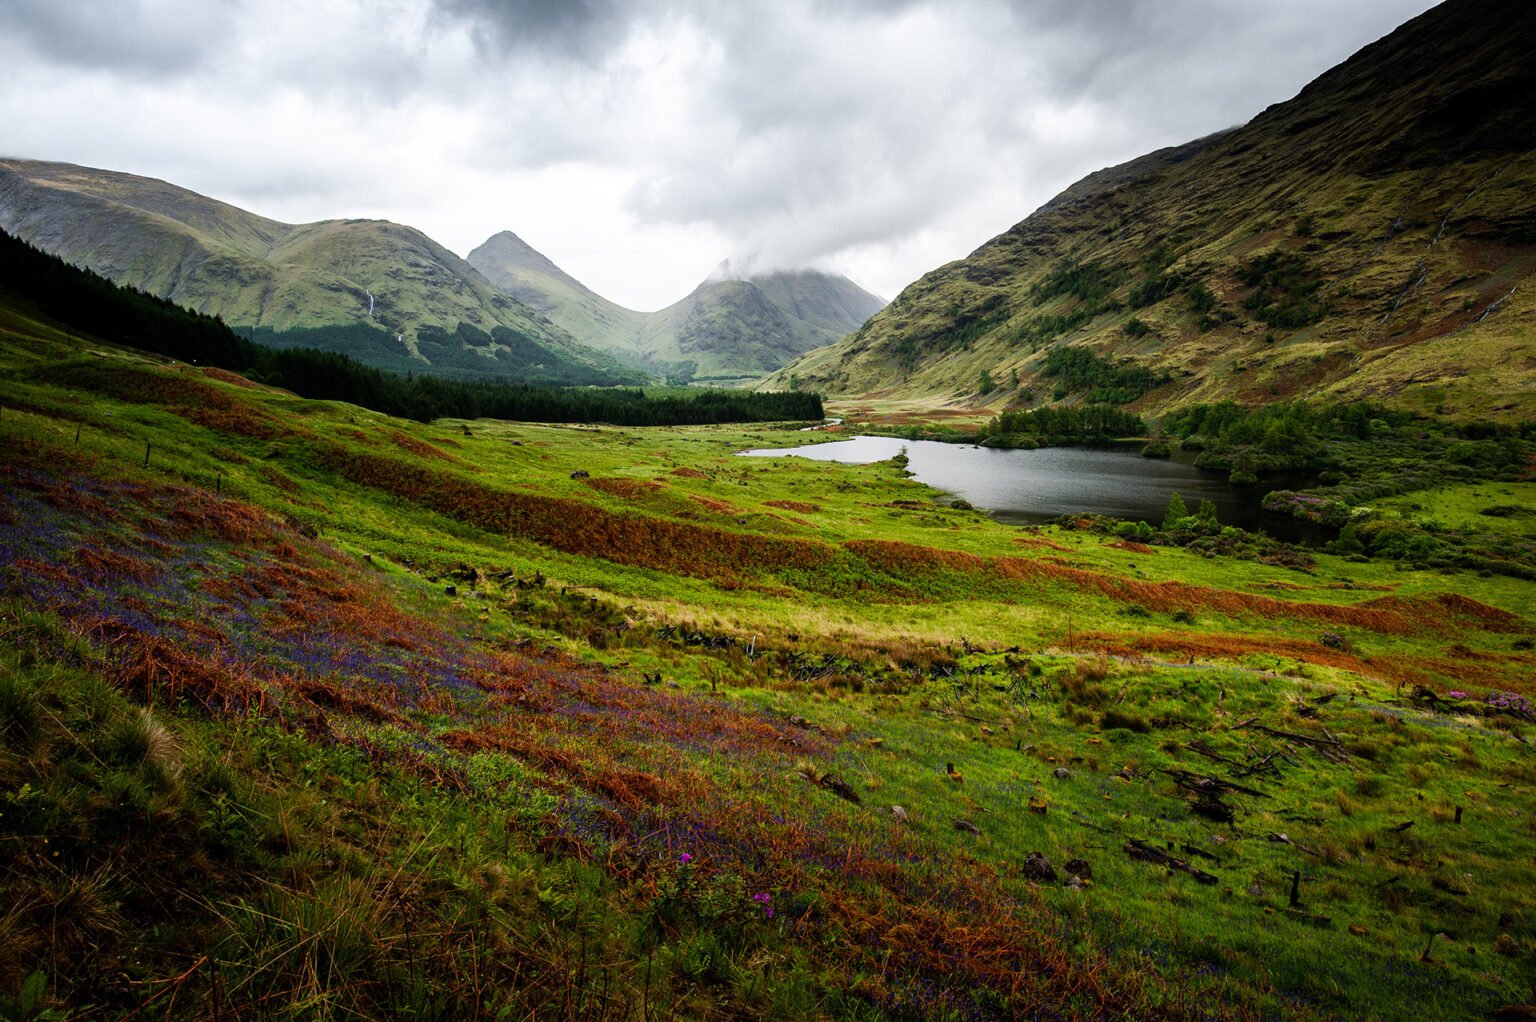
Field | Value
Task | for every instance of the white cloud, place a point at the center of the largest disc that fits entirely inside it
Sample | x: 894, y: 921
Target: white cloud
x: 637, y: 143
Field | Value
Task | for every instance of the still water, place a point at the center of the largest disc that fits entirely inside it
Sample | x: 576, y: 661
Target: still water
x: 1034, y: 486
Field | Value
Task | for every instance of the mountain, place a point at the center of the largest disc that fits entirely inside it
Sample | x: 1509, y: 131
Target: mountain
x: 384, y: 293
x: 523, y: 272
x: 728, y: 328
x: 1372, y: 238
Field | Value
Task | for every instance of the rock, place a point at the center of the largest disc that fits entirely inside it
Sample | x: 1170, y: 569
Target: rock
x: 1061, y: 773
x: 967, y: 827
x: 451, y: 590
x: 1038, y: 867
x: 898, y: 814
x: 1075, y: 883
x: 1506, y: 945
x: 1037, y: 805
x: 581, y: 473
x: 1079, y: 868
x: 1256, y: 889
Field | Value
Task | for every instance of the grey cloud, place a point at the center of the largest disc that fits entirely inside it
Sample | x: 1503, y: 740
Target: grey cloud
x: 799, y: 128
x: 805, y: 117
x: 562, y: 28
x: 143, y: 38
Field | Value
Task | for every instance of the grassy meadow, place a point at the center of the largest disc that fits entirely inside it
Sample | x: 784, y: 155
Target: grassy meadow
x: 309, y: 712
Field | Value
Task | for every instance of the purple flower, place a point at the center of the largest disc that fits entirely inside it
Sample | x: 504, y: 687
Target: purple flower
x: 1456, y: 693
x: 685, y: 858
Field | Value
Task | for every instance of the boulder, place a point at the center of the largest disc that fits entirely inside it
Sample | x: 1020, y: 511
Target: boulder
x: 1038, y: 867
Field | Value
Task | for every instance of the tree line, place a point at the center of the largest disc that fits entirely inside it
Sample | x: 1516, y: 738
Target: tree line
x: 87, y: 302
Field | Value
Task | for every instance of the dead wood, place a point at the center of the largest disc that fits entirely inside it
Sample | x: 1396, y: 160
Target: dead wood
x: 1140, y: 850
x: 1328, y: 746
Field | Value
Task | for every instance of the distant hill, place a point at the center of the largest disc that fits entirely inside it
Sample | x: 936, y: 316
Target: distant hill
x: 729, y: 327
x: 1374, y: 237
x: 381, y: 292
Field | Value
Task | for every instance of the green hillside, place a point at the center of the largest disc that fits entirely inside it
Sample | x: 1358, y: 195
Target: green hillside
x: 523, y: 272
x: 311, y: 712
x: 382, y: 292
x: 1372, y: 238
x: 726, y: 329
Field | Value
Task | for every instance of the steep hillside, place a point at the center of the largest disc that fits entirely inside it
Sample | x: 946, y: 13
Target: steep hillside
x: 727, y: 328
x: 1371, y: 238
x: 526, y: 274
x: 381, y: 292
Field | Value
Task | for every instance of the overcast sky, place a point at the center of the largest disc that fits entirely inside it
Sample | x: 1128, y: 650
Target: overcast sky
x: 638, y: 143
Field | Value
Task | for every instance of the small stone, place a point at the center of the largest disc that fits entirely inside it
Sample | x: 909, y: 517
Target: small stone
x: 1038, y: 867
x: 1075, y: 883
x: 898, y: 814
x: 1506, y: 945
x: 967, y: 827
x: 1037, y: 805
x: 581, y: 473
x: 1061, y: 773
x: 1358, y: 930
x: 1079, y: 868
x: 1256, y: 889
x: 451, y: 590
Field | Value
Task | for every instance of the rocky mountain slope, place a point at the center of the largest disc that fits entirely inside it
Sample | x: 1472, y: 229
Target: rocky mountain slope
x: 729, y: 327
x: 382, y: 292
x: 1374, y: 237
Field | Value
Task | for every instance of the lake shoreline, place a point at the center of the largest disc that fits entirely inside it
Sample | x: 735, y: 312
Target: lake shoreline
x: 1020, y: 486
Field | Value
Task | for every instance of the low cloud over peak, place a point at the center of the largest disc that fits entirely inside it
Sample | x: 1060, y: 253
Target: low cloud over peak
x: 638, y: 140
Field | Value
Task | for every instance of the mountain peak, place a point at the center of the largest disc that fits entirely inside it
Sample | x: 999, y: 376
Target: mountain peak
x: 723, y: 272
x: 507, y: 248
x: 733, y: 326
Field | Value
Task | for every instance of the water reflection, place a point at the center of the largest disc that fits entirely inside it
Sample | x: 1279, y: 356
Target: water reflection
x: 1034, y: 486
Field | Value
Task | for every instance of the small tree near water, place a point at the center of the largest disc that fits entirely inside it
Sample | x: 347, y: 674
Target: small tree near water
x: 1177, y: 512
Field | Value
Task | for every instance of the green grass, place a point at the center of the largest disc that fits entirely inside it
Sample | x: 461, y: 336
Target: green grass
x: 334, y: 819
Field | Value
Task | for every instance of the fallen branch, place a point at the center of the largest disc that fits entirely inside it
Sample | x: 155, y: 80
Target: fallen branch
x: 1328, y: 747
x: 1140, y: 850
x: 1202, y: 785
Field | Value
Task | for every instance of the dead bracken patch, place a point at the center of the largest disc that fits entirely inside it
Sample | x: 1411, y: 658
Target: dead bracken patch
x: 1045, y: 544
x: 719, y: 507
x: 420, y: 448
x: 628, y: 489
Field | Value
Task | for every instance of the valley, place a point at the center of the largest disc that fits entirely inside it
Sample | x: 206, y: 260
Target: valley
x: 1134, y: 619
x: 554, y: 689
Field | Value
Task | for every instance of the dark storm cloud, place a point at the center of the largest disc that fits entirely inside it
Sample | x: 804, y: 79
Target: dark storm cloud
x: 562, y: 28
x: 143, y: 38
